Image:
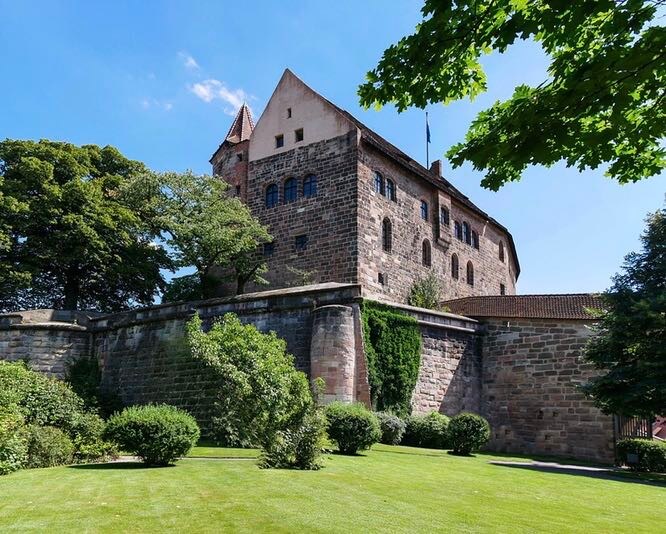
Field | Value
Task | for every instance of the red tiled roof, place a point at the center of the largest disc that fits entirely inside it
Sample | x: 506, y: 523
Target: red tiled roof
x: 240, y: 130
x: 567, y: 306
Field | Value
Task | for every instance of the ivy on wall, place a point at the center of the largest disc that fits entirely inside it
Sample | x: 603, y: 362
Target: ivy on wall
x: 393, y: 349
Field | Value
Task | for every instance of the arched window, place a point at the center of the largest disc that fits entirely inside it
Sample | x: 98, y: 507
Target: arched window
x: 454, y: 266
x: 379, y: 184
x: 425, y: 253
x: 290, y: 190
x: 501, y: 251
x: 387, y: 235
x: 467, y: 235
x: 272, y: 195
x: 470, y: 273
x: 310, y: 186
x: 475, y: 240
x: 390, y: 190
x: 457, y: 227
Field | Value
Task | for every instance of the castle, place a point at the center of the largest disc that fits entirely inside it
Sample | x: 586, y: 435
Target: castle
x: 366, y: 221
x: 345, y: 205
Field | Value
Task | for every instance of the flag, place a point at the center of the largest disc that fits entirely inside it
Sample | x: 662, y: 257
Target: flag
x: 427, y: 129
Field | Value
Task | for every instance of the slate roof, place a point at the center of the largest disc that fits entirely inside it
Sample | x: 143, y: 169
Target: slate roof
x: 566, y: 306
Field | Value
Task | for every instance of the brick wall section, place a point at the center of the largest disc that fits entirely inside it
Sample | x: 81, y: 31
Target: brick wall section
x: 328, y: 219
x: 403, y: 265
x: 531, y: 372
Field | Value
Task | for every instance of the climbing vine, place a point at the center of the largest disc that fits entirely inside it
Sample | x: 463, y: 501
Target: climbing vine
x: 393, y: 347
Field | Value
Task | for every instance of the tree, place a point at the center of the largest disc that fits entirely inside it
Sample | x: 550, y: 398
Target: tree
x: 630, y: 347
x: 602, y: 103
x: 75, y: 231
x: 211, y: 230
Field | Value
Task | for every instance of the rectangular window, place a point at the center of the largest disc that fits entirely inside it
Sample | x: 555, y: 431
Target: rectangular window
x: 502, y: 289
x: 239, y: 156
x: 424, y: 210
x: 289, y: 113
x: 238, y: 190
x: 444, y: 216
x: 269, y: 249
x: 301, y: 242
x: 279, y: 141
x: 382, y: 278
x: 298, y: 135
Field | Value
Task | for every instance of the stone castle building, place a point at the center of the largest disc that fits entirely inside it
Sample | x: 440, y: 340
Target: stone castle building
x: 366, y: 221
x: 345, y: 205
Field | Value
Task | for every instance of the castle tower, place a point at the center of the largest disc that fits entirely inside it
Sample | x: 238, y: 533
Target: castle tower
x: 230, y: 159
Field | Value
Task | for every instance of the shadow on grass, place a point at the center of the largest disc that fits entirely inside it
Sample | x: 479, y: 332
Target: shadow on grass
x: 410, y: 453
x: 113, y: 466
x: 647, y: 479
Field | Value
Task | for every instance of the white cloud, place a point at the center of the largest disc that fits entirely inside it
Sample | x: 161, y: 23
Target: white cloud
x: 148, y: 103
x: 188, y: 61
x: 210, y: 90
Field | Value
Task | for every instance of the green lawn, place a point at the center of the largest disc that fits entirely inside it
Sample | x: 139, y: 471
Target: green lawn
x: 391, y: 489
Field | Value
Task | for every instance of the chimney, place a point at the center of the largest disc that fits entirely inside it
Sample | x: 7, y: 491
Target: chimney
x: 436, y: 167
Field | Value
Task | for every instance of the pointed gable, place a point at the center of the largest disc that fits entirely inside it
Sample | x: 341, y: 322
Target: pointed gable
x: 293, y: 107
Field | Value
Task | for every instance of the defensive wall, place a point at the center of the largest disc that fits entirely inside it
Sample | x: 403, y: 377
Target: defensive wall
x: 522, y: 375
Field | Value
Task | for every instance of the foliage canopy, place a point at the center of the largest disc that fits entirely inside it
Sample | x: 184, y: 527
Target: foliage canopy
x: 601, y: 103
x: 630, y: 345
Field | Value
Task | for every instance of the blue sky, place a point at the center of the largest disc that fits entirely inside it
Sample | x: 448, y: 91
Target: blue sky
x: 159, y: 81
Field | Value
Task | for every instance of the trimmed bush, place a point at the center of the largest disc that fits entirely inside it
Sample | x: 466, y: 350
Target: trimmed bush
x: 158, y: 434
x: 393, y: 428
x: 352, y: 426
x: 48, y: 446
x: 643, y: 454
x: 429, y: 431
x: 13, y: 449
x: 468, y: 432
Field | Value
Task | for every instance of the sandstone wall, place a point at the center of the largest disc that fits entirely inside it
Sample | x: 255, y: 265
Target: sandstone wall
x: 328, y: 219
x: 47, y: 340
x: 403, y: 264
x: 531, y: 373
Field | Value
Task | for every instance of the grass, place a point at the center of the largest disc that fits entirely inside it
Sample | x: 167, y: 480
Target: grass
x: 396, y: 489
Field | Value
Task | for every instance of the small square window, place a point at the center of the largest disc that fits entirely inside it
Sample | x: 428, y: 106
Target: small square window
x: 298, y: 135
x: 289, y: 113
x: 382, y: 278
x: 279, y: 141
x: 269, y: 249
x: 239, y: 156
x: 301, y: 242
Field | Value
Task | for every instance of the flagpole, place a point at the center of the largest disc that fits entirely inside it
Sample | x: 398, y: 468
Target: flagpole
x: 427, y: 143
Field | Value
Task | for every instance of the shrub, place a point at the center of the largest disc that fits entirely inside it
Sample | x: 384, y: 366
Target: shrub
x: 48, y: 446
x: 393, y: 428
x: 43, y: 401
x: 426, y: 293
x: 158, y: 434
x: 13, y: 449
x: 88, y: 437
x: 258, y: 390
x: 648, y: 455
x: 299, y: 447
x: 393, y: 346
x: 352, y: 427
x: 468, y: 432
x: 429, y: 430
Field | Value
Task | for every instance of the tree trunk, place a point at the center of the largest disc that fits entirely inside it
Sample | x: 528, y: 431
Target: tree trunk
x: 72, y: 288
